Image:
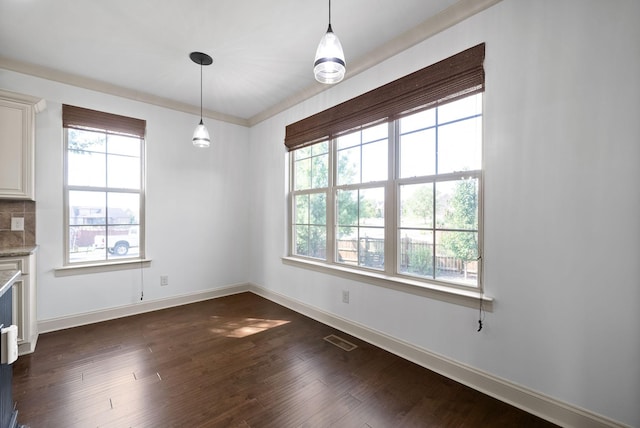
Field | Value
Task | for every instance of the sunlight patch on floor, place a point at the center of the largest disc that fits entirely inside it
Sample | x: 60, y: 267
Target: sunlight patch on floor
x: 243, y: 327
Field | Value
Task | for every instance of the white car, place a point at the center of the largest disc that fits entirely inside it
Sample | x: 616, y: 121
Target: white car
x: 117, y: 244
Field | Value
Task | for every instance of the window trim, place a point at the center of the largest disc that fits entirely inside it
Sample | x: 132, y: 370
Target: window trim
x: 111, y: 124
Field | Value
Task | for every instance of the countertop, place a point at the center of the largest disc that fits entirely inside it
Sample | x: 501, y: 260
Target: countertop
x: 18, y: 251
x: 7, y: 278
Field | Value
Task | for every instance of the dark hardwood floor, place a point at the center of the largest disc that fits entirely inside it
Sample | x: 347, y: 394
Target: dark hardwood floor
x: 237, y: 361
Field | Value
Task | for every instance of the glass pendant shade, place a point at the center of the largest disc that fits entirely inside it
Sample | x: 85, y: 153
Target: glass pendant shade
x: 329, y: 66
x: 201, y: 136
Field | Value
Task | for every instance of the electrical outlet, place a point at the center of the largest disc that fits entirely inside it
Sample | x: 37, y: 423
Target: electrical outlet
x: 164, y: 280
x: 345, y: 296
x: 17, y: 224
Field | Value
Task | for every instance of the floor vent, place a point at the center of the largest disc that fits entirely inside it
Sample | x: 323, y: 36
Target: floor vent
x: 340, y: 343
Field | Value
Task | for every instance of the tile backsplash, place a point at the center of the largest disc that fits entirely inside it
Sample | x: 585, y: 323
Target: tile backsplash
x: 17, y: 208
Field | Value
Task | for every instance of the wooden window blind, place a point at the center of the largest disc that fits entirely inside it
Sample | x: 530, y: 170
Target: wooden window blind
x: 78, y: 117
x: 448, y: 80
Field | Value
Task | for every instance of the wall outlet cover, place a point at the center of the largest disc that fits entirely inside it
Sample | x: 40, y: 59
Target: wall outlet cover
x: 17, y: 224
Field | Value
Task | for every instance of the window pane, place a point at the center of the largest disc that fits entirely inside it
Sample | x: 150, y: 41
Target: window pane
x: 318, y: 209
x: 87, y: 208
x: 320, y: 148
x: 375, y: 133
x: 465, y: 107
x: 86, y: 169
x: 371, y: 248
x: 302, y: 209
x: 456, y: 257
x: 123, y: 145
x: 123, y: 208
x: 88, y: 141
x: 303, y: 153
x: 349, y: 140
x: 311, y: 241
x: 347, y: 207
x: 416, y: 205
x: 460, y: 146
x: 371, y: 210
x: 302, y: 173
x: 318, y: 242
x: 374, y: 161
x: 302, y: 240
x: 414, y: 122
x: 347, y: 245
x: 349, y: 166
x: 86, y: 243
x: 123, y: 241
x: 418, y: 154
x: 416, y: 253
x: 320, y: 171
x: 457, y: 204
x: 123, y: 172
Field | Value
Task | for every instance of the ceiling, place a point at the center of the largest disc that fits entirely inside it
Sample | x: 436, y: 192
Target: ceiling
x: 263, y: 51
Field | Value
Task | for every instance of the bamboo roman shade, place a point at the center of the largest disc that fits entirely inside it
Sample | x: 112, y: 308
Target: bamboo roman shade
x: 78, y: 117
x: 448, y: 80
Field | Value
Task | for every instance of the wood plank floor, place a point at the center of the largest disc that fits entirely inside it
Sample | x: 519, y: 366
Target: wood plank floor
x: 237, y: 361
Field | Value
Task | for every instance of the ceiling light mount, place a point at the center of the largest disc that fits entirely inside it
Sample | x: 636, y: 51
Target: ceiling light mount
x: 329, y: 66
x: 201, y: 134
x: 201, y: 58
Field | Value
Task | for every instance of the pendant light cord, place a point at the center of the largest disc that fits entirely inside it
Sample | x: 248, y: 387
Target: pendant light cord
x: 200, y: 90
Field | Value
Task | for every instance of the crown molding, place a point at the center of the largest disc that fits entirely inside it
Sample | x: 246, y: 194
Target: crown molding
x: 110, y: 89
x: 447, y: 18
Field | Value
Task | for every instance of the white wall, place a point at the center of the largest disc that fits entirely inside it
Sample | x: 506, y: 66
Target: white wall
x: 196, y: 205
x: 562, y: 237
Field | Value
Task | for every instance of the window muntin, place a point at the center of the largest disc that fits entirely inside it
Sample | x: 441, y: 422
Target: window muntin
x: 104, y: 196
x: 433, y: 180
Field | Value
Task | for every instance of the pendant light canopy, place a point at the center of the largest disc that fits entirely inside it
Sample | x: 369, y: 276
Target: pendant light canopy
x: 201, y: 135
x: 329, y: 66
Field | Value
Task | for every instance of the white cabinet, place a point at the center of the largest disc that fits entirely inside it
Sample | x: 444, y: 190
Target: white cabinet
x: 17, y: 135
x: 24, y: 301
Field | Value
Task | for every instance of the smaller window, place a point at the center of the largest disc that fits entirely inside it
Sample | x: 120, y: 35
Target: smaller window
x: 103, y: 186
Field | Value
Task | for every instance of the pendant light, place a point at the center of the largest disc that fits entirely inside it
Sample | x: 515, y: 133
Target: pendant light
x: 201, y: 135
x: 329, y: 66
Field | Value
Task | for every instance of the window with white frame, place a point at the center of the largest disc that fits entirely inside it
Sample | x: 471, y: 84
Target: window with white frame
x: 398, y: 194
x: 103, y: 186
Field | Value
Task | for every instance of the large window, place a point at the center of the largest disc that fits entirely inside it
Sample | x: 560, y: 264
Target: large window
x: 399, y: 194
x: 104, y: 186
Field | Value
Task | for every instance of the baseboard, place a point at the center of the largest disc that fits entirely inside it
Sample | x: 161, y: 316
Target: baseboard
x: 548, y: 408
x: 46, y: 326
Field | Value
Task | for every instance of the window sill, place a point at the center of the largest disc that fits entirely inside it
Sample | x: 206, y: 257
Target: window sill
x: 102, y: 267
x: 469, y: 298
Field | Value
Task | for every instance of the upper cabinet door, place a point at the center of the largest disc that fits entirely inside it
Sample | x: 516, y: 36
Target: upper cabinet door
x: 17, y: 142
